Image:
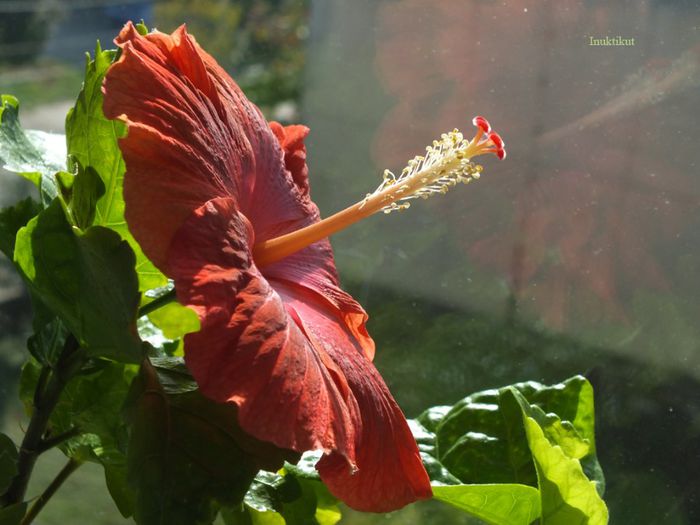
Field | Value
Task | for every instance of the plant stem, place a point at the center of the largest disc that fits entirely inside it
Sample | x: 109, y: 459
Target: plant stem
x: 46, y: 396
x: 156, y: 303
x: 70, y: 467
x: 49, y: 443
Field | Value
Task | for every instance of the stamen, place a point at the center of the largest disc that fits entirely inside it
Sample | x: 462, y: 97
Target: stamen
x: 446, y: 163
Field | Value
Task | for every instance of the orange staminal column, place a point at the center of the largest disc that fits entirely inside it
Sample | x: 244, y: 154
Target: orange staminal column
x: 446, y: 163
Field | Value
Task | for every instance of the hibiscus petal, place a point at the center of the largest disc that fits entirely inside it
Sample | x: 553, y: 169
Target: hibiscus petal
x: 192, y: 136
x: 249, y: 351
x: 390, y: 473
x: 291, y: 139
x: 286, y: 357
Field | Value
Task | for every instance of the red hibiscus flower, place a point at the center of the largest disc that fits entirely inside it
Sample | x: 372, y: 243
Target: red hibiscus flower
x: 207, y: 179
x: 219, y: 201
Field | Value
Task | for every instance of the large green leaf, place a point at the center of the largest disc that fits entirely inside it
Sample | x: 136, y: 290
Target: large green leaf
x: 479, y: 441
x: 85, y: 278
x: 33, y: 154
x: 495, y: 448
x: 186, y: 453
x: 498, y: 503
x: 485, y: 457
x: 92, y: 143
x: 495, y: 503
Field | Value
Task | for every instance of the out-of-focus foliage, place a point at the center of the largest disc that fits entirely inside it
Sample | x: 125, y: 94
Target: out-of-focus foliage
x: 261, y: 43
x: 22, y: 33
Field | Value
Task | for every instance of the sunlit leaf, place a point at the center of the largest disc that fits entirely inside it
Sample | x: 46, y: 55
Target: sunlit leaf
x: 166, y: 326
x: 568, y: 497
x: 483, y: 458
x: 497, y: 504
x: 249, y: 516
x: 33, y: 154
x: 92, y: 143
x: 175, y: 320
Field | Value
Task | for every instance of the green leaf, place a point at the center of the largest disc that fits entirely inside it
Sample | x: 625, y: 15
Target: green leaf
x: 176, y: 478
x: 495, y: 450
x: 87, y: 189
x: 92, y: 143
x: 497, y: 504
x: 142, y: 28
x: 179, y: 386
x: 485, y: 445
x: 159, y: 345
x: 426, y: 445
x: 175, y: 320
x: 173, y: 375
x: 12, y: 219
x: 568, y: 497
x: 166, y: 326
x: 432, y: 417
x: 8, y: 462
x: 479, y: 441
x: 116, y: 477
x: 94, y: 404
x: 315, y: 504
x: 571, y: 400
x: 13, y: 514
x: 33, y: 154
x: 87, y: 279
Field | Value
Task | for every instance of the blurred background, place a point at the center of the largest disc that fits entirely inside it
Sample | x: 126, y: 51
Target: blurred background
x: 580, y: 253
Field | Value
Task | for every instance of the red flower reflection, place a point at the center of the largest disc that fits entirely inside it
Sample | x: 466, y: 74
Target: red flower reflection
x: 207, y: 178
x: 597, y: 204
